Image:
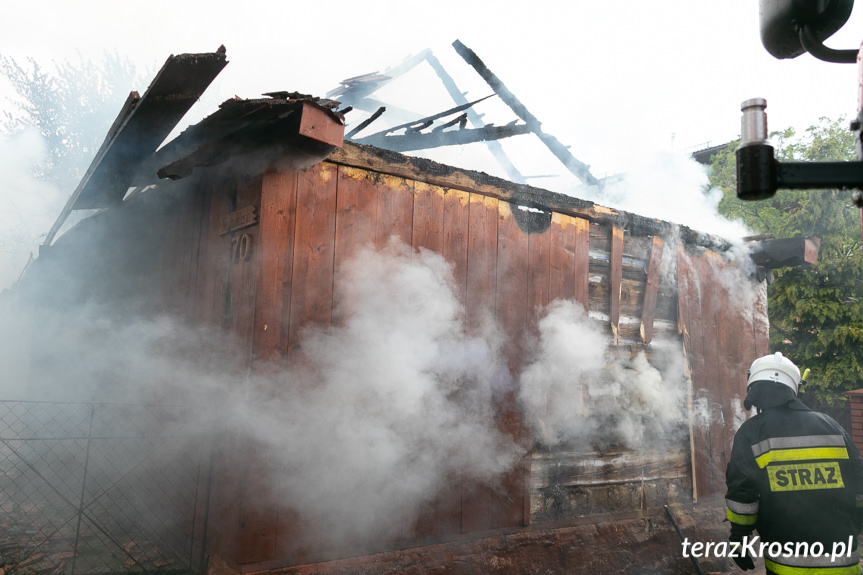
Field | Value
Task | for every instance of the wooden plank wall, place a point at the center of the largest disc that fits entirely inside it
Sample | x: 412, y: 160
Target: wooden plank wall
x: 201, y: 282
x: 310, y: 223
x: 339, y: 209
x: 622, y: 273
x: 720, y: 342
x: 440, y: 218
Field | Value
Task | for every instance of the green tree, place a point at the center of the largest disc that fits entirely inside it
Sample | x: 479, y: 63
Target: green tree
x: 815, y: 312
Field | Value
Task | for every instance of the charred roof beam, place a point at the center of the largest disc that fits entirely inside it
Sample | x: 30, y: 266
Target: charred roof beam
x: 461, y: 121
x: 365, y: 123
x: 575, y: 166
x: 424, y: 140
x: 476, y: 120
x: 356, y: 91
x: 360, y: 87
x: 423, y: 123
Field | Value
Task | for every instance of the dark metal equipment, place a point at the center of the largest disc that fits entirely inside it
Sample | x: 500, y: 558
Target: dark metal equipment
x: 791, y: 27
x: 760, y: 175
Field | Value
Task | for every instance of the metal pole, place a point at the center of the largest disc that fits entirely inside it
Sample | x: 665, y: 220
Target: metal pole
x: 680, y: 534
x: 83, y: 488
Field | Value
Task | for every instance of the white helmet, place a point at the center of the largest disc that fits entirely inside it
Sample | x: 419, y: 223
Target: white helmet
x: 775, y: 367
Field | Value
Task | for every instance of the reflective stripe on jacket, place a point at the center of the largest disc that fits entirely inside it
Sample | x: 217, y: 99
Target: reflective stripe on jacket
x: 816, y: 565
x: 795, y: 476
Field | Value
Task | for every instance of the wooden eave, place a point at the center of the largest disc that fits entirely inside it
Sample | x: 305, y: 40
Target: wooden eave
x: 786, y: 252
x: 428, y: 171
x: 242, y: 127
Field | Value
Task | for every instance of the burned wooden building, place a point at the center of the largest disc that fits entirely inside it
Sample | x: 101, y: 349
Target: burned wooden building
x: 243, y: 222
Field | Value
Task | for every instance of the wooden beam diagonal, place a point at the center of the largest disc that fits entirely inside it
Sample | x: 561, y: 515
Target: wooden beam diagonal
x: 174, y: 90
x: 577, y: 167
x: 425, y: 122
x: 421, y: 141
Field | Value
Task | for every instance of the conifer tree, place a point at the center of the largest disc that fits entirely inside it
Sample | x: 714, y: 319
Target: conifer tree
x: 815, y: 312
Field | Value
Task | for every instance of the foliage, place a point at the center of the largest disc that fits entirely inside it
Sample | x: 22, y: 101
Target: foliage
x: 815, y: 312
x: 71, y: 104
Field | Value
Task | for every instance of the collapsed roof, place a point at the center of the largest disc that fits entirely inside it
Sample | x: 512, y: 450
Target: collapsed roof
x: 302, y: 129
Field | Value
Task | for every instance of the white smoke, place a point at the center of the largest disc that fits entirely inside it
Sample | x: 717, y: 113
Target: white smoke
x: 703, y: 411
x: 735, y: 276
x: 399, y: 400
x: 30, y: 206
x: 670, y: 187
x: 569, y: 352
x: 375, y: 416
x: 740, y: 415
x: 577, y: 388
x: 642, y: 401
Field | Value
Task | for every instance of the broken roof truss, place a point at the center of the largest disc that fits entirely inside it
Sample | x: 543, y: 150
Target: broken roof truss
x: 427, y: 132
x: 300, y: 130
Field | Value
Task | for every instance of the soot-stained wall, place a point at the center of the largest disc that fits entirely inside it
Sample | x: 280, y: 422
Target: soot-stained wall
x: 260, y: 259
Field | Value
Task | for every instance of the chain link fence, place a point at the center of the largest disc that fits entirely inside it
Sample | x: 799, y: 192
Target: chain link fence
x: 100, y: 488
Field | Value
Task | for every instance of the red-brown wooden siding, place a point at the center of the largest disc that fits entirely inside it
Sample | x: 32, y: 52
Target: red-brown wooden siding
x: 312, y: 222
x: 440, y: 218
x: 720, y: 343
x: 651, y: 288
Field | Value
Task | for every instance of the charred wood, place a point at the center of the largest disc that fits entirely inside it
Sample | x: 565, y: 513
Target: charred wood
x: 578, y: 168
x: 176, y: 87
x: 429, y: 119
x: 365, y: 123
x: 420, y: 127
x: 435, y: 139
x: 461, y: 121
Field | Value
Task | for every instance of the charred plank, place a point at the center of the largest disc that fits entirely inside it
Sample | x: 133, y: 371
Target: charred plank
x: 428, y: 120
x: 578, y: 168
x: 174, y: 90
x: 365, y: 123
x: 435, y: 139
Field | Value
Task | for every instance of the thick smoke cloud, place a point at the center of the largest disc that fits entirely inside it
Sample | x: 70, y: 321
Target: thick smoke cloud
x: 578, y: 389
x: 669, y: 187
x: 642, y: 402
x: 375, y: 414
x: 362, y: 429
x: 569, y: 352
x: 390, y: 404
x: 30, y: 206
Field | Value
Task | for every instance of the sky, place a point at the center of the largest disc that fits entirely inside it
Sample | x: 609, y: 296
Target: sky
x: 621, y: 82
x: 615, y: 80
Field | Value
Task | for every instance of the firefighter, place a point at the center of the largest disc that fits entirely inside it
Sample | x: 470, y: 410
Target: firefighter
x: 795, y: 478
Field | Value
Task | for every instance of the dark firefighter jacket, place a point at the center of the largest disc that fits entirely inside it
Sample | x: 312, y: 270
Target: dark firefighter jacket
x: 795, y: 476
